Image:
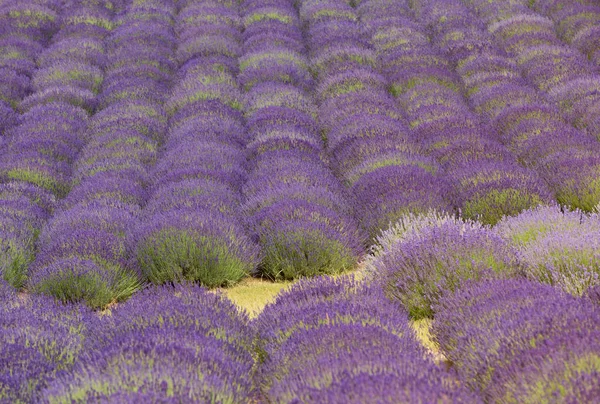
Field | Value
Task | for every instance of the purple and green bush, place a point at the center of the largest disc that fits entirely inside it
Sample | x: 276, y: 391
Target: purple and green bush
x: 438, y: 259
x: 508, y: 340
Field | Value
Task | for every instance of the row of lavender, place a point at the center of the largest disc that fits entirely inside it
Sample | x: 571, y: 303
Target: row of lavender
x: 38, y: 153
x: 323, y: 340
x: 298, y: 209
x: 83, y: 250
x: 191, y: 227
x: 370, y: 146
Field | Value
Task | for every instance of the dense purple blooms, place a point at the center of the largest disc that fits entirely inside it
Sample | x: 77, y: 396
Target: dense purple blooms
x: 439, y: 258
x: 520, y: 341
x: 199, y: 142
x: 558, y: 248
x: 324, y: 335
x: 182, y: 343
x: 40, y: 338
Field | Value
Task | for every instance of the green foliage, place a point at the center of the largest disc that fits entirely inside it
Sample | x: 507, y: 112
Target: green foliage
x: 173, y: 255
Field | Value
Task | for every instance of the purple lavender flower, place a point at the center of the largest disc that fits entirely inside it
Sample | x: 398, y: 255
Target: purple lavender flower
x: 300, y: 238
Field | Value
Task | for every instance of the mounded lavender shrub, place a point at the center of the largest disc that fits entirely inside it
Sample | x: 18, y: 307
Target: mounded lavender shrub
x: 438, y: 259
x: 40, y: 339
x: 311, y: 361
x: 204, y: 246
x: 320, y: 301
x: 493, y: 330
x: 325, y: 335
x: 20, y: 225
x: 183, y: 343
x: 487, y: 191
x: 146, y: 363
x: 562, y: 369
x: 558, y: 248
x: 83, y: 254
x: 573, y: 175
x: 110, y: 186
x: 386, y: 194
x: 302, y: 238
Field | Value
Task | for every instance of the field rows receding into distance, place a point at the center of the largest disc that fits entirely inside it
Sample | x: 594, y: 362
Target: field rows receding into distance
x: 300, y: 201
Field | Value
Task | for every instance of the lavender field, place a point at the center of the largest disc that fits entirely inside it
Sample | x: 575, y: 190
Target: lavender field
x: 300, y: 201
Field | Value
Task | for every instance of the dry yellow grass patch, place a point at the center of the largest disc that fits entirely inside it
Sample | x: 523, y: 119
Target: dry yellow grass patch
x: 253, y: 294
